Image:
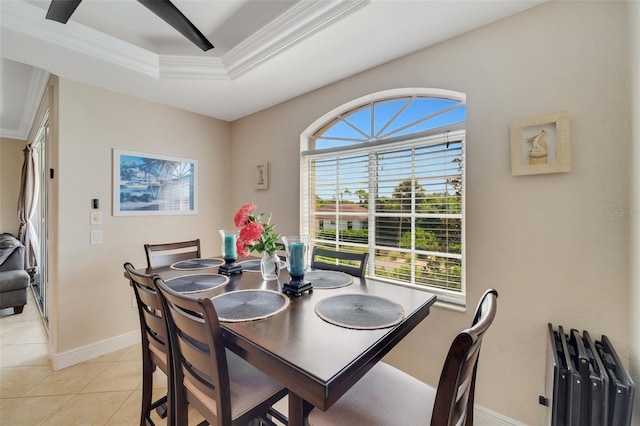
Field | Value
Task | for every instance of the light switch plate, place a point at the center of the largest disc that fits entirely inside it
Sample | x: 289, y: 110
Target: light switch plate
x: 96, y: 237
x: 96, y: 217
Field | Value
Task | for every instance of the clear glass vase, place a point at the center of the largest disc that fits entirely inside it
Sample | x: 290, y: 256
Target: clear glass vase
x: 270, y: 266
x: 297, y: 248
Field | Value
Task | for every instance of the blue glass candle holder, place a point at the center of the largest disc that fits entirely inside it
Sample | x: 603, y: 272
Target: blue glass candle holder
x: 229, y: 253
x: 297, y: 249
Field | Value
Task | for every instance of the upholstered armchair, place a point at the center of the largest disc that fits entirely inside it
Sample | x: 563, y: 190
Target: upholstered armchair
x: 14, y: 280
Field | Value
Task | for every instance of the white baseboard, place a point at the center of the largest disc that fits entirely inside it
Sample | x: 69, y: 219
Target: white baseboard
x: 485, y: 417
x: 94, y: 350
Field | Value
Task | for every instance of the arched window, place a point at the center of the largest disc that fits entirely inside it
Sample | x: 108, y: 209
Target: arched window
x: 388, y: 170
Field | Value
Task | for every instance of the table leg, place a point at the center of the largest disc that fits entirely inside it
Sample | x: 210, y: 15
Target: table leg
x: 296, y: 410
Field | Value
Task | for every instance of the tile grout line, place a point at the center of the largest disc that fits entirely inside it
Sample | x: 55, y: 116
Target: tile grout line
x: 12, y: 326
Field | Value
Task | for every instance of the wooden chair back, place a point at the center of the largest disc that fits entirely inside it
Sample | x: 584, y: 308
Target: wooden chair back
x: 169, y: 253
x: 344, y: 261
x: 225, y: 389
x: 455, y: 392
x: 281, y: 252
x: 155, y: 340
x: 201, y: 372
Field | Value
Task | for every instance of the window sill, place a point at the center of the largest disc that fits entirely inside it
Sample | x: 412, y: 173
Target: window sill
x: 450, y: 306
x: 445, y: 301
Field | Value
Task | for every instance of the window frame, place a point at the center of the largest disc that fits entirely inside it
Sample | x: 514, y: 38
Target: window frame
x: 455, y: 298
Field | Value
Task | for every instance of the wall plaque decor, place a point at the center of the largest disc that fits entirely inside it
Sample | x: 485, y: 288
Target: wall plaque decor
x: 541, y: 144
x: 260, y: 176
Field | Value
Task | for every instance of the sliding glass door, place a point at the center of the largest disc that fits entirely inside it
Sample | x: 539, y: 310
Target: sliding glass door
x: 40, y: 219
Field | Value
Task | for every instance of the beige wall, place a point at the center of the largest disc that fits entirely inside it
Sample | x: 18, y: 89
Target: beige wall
x: 92, y: 301
x: 545, y: 242
x: 548, y: 243
x: 11, y: 159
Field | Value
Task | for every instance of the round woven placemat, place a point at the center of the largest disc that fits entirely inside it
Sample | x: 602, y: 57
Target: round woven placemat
x: 249, y: 305
x: 360, y: 311
x: 197, y: 264
x: 196, y: 282
x: 252, y: 265
x: 328, y: 279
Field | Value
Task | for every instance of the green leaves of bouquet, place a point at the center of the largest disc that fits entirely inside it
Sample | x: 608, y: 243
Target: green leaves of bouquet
x: 255, y: 234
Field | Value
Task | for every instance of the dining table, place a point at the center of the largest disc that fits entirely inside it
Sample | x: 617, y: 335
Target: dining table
x: 315, y: 356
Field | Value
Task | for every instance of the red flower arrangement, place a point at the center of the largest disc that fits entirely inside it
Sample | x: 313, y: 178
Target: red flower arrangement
x: 255, y: 234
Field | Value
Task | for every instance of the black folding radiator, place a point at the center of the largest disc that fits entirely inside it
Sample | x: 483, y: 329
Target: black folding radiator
x: 586, y: 383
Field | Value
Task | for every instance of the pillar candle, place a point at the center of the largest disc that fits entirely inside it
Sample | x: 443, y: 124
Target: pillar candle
x: 230, y: 246
x: 296, y: 259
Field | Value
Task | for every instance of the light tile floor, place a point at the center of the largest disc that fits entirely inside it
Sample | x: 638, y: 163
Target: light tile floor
x: 102, y: 391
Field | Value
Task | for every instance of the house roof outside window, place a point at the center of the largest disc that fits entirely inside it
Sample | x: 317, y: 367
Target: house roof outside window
x: 330, y: 210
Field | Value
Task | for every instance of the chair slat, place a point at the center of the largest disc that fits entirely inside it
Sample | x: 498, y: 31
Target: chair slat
x: 199, y: 359
x: 190, y: 325
x: 166, y: 254
x: 339, y: 261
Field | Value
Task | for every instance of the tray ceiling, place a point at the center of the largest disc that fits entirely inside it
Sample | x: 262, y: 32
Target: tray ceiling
x: 266, y: 52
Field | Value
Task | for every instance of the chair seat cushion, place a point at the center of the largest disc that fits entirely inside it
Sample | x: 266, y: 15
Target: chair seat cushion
x: 384, y: 396
x: 13, y: 280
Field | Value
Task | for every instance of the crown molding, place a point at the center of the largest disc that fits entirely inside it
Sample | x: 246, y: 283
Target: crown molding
x: 192, y: 67
x: 11, y: 134
x: 30, y: 20
x: 294, y: 25
x: 37, y: 85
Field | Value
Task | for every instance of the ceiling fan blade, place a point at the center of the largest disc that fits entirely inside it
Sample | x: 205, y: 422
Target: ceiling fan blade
x: 61, y: 10
x: 172, y: 16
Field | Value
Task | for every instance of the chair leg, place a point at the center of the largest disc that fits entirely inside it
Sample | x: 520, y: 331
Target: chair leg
x: 263, y: 420
x: 147, y: 389
x: 181, y: 407
x: 161, y: 407
x: 272, y: 412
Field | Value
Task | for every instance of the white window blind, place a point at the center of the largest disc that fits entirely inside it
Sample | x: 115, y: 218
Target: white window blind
x: 385, y: 174
x: 402, y: 202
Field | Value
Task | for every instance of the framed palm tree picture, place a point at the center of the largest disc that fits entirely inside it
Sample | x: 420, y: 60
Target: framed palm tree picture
x: 150, y: 184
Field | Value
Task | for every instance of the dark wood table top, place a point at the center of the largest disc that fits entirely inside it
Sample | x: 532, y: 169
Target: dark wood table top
x: 317, y: 361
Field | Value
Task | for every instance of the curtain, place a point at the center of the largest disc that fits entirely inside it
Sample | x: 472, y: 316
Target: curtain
x: 27, y: 203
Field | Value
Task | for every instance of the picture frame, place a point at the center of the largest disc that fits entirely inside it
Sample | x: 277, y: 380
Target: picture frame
x: 541, y: 144
x: 261, y: 176
x: 150, y: 184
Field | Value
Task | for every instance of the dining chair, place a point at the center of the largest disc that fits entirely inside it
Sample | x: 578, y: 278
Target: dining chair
x: 344, y: 261
x: 388, y: 396
x: 169, y: 253
x: 281, y: 252
x: 155, y: 352
x: 221, y: 386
